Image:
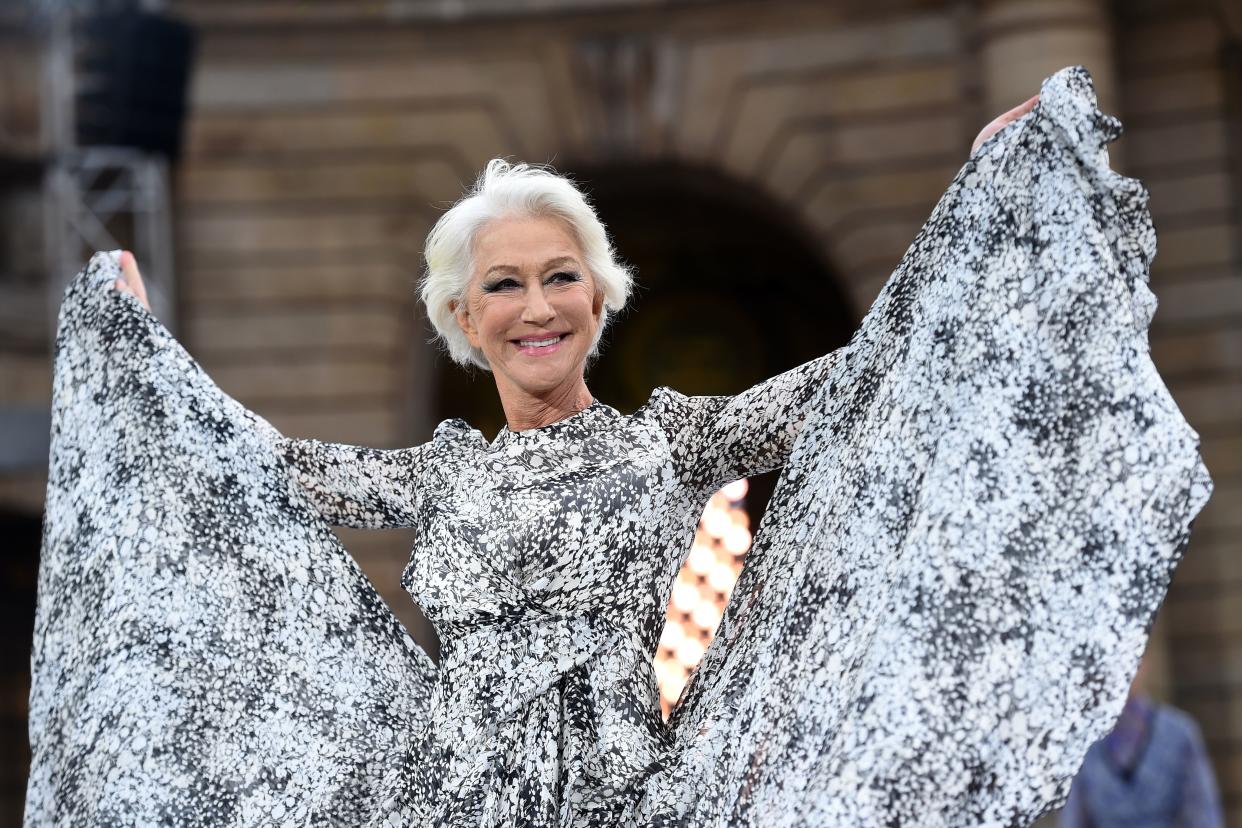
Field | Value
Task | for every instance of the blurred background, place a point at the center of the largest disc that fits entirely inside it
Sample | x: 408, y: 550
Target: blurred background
x: 764, y: 164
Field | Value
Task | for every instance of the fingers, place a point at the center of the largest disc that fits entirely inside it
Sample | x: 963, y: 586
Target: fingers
x: 1021, y: 109
x: 1024, y: 107
x: 1017, y: 112
x: 1004, y: 120
x: 131, y: 280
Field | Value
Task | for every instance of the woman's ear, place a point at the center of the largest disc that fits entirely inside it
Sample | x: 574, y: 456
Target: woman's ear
x: 466, y: 322
x: 597, y: 305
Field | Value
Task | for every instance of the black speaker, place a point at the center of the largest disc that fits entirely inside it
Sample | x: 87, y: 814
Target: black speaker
x: 133, y: 69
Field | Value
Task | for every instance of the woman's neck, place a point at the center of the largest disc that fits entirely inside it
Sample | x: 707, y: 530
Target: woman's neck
x: 524, y: 410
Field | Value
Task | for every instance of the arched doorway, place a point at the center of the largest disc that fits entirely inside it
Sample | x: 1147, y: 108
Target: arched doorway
x: 730, y: 292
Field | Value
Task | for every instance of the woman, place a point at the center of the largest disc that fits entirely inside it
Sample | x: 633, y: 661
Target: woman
x: 982, y: 499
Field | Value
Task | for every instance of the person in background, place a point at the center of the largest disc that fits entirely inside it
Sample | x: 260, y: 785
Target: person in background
x: 1151, y: 771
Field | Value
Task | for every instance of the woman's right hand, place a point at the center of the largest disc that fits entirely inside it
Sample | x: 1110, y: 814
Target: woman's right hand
x: 131, y: 280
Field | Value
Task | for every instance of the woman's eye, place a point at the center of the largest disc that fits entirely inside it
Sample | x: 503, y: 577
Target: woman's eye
x: 563, y: 276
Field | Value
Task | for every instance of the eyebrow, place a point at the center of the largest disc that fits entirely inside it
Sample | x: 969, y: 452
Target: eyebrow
x: 559, y: 260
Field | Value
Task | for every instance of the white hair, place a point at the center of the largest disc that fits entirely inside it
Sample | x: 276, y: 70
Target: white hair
x: 505, y: 190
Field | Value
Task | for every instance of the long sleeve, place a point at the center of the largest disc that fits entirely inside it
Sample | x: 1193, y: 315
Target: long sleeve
x: 718, y: 439
x: 193, y: 605
x: 1074, y: 814
x: 1200, y: 805
x: 357, y: 486
x: 991, y: 490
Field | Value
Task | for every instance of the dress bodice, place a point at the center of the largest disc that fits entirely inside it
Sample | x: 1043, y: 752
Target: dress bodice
x: 545, y: 558
x: 561, y: 515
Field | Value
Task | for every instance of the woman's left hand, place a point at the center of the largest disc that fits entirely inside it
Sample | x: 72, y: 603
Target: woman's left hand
x: 131, y: 280
x: 1003, y: 120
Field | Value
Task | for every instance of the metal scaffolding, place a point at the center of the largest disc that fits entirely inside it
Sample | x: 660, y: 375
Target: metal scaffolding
x: 91, y: 191
x: 93, y: 198
x: 97, y: 197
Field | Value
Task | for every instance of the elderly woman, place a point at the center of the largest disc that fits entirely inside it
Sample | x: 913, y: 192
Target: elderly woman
x: 982, y: 500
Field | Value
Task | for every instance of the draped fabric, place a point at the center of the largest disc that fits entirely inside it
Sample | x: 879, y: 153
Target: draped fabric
x: 948, y: 598
x: 983, y: 496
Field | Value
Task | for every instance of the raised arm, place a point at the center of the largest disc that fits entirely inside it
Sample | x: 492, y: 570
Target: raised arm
x: 719, y: 439
x: 356, y: 486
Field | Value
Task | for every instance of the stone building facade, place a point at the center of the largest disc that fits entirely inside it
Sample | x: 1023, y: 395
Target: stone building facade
x: 326, y: 136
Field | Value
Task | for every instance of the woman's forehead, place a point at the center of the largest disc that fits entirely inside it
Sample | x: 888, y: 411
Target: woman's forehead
x: 521, y: 244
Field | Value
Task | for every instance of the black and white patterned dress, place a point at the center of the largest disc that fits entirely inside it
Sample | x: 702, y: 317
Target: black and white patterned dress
x: 983, y: 497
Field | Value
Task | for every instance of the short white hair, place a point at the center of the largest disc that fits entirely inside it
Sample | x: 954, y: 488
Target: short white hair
x: 506, y: 190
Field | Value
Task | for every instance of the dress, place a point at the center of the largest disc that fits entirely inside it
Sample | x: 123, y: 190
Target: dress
x: 982, y: 499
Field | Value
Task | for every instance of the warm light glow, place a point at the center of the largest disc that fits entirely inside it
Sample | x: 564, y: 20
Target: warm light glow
x: 737, y: 539
x: 685, y: 595
x: 721, y: 577
x: 707, y: 615
x: 667, y: 670
x: 690, y: 651
x: 702, y: 589
x: 701, y: 559
x: 672, y: 636
x: 716, y: 521
x: 670, y: 690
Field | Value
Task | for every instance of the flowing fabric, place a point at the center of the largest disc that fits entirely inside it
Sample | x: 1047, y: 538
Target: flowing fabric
x: 983, y: 497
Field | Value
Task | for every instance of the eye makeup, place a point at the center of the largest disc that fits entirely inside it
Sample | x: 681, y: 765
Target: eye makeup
x: 499, y: 284
x: 563, y: 276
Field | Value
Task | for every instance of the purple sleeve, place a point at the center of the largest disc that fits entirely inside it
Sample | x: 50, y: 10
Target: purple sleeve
x: 1201, y: 807
x: 1074, y: 814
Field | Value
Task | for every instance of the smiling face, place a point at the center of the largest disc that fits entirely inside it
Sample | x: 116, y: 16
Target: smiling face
x: 531, y: 307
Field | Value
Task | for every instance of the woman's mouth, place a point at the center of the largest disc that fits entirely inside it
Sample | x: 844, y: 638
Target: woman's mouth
x: 540, y: 345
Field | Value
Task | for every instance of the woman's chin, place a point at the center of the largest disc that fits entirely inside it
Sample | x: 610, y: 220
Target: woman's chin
x: 543, y: 383
x: 543, y: 377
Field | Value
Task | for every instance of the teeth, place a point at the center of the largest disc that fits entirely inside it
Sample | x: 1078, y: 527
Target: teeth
x: 539, y: 343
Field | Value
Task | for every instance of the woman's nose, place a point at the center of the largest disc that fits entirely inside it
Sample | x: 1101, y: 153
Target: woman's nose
x: 537, y: 310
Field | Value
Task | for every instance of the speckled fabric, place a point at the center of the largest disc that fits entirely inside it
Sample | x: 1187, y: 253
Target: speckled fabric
x: 983, y: 496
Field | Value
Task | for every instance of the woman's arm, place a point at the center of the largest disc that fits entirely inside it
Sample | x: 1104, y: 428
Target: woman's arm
x: 354, y: 486
x: 719, y: 439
